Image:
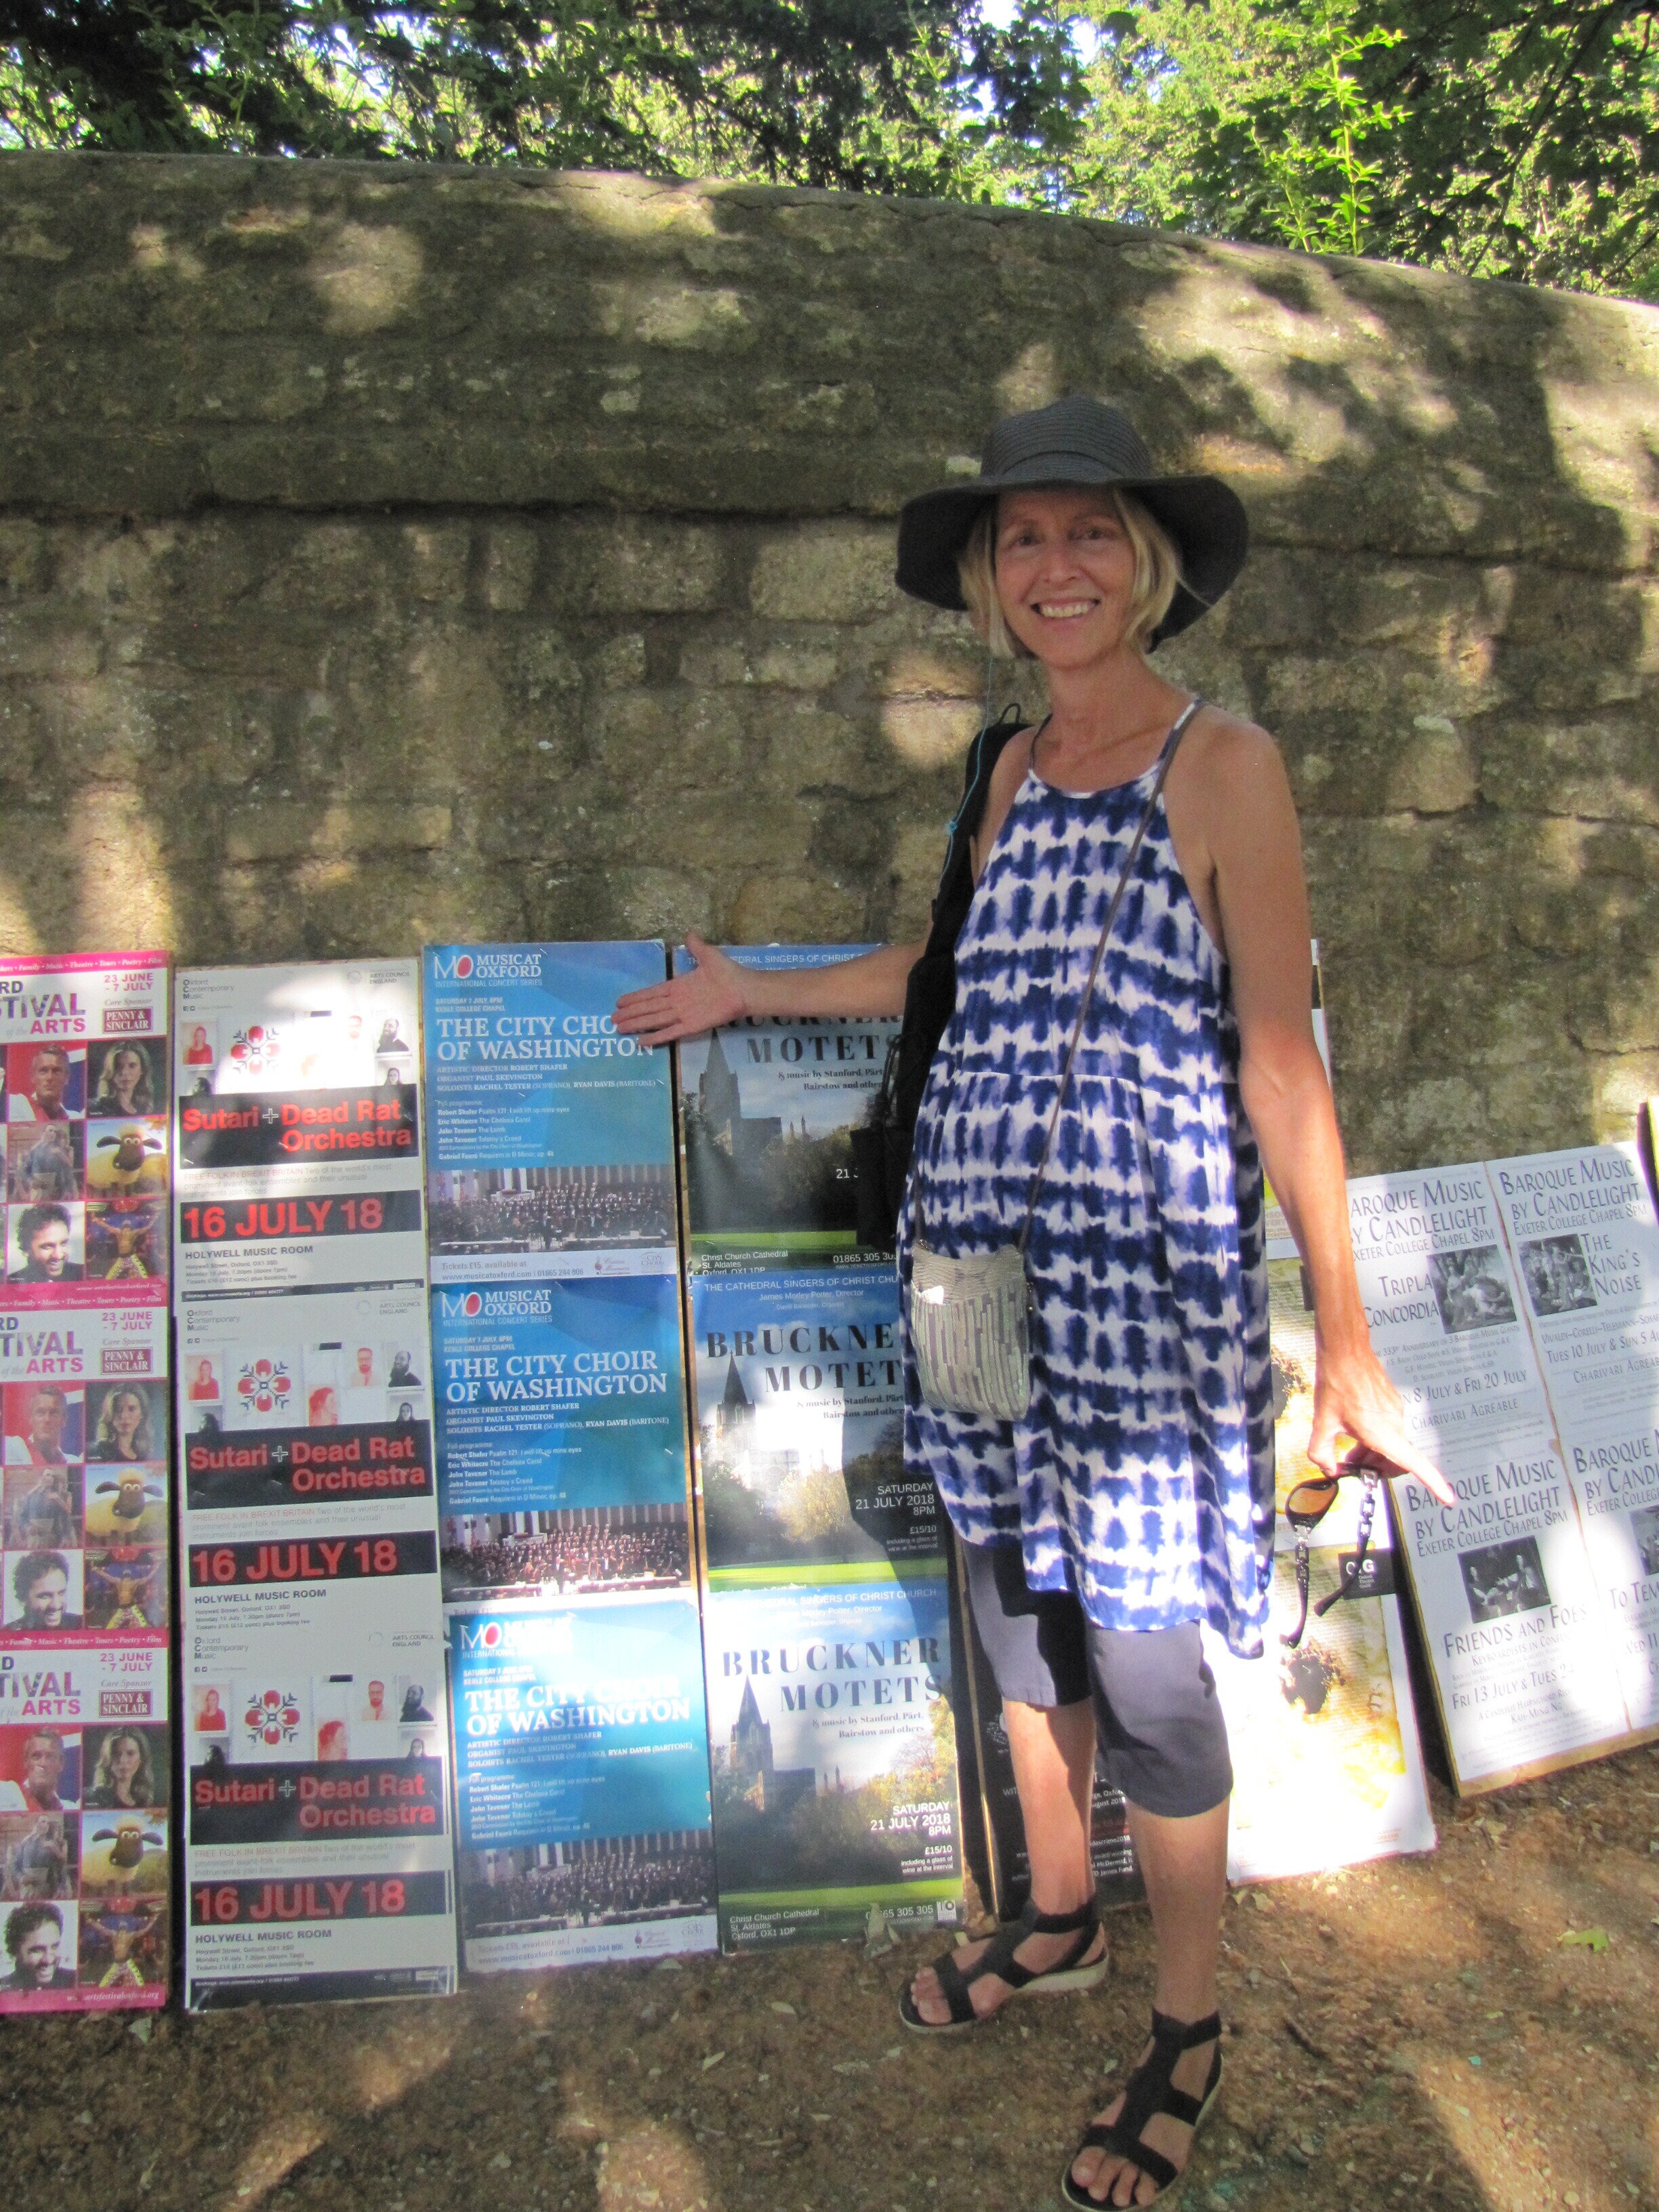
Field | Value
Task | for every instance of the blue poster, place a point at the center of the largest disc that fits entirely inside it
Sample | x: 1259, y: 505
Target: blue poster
x: 582, y: 1770
x: 561, y: 1416
x: 799, y: 1409
x: 549, y: 1135
x: 580, y: 1721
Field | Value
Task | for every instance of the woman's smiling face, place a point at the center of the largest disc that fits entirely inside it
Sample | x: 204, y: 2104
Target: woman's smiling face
x: 1065, y: 574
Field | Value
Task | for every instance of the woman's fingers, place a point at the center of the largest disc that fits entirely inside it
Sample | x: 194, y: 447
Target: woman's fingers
x: 702, y: 999
x: 1379, y: 1440
x: 638, y: 1009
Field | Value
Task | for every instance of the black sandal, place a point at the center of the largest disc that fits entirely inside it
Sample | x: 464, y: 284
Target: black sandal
x: 1151, y: 2090
x: 997, y: 1958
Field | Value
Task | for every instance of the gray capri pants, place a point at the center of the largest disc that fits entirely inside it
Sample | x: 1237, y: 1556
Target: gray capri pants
x: 1157, y: 1718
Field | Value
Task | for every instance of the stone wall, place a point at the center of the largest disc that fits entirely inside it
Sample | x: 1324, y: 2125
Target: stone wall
x: 392, y: 554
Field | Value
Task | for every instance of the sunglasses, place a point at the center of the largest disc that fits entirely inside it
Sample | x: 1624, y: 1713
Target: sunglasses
x: 1305, y: 1509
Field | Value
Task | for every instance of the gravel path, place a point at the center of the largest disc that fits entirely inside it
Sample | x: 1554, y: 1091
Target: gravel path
x: 1411, y: 2034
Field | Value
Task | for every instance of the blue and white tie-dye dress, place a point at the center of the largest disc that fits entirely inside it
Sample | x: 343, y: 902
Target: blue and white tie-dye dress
x: 1141, y: 1478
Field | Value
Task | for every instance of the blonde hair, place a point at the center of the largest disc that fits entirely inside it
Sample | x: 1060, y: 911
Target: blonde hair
x: 1157, y: 575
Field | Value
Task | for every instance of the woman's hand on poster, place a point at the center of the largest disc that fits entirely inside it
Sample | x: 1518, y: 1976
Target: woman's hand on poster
x: 714, y: 992
x: 1354, y: 1399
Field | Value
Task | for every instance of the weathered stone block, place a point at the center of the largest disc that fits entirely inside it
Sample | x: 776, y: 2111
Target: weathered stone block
x: 332, y: 564
x: 1615, y: 1012
x: 1434, y: 771
x: 36, y: 644
x: 509, y: 566
x: 808, y: 749
x: 793, y: 664
x: 1618, y: 1086
x: 823, y: 571
x: 435, y: 558
x: 942, y: 668
x: 795, y: 908
x: 621, y: 661
x: 660, y: 902
x: 22, y: 557
x: 929, y: 733
x: 719, y: 662
x: 1602, y: 770
x: 631, y: 565
x: 286, y: 829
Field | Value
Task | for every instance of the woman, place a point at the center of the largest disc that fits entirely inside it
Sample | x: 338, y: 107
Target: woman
x: 125, y: 1086
x: 123, y: 1428
x: 1135, y: 1498
x: 123, y: 1776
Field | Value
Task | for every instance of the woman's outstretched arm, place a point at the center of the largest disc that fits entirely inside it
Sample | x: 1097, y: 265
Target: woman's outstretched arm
x: 720, y: 989
x: 1256, y: 848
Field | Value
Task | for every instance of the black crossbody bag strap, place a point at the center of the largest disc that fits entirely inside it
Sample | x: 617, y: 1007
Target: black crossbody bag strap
x: 1168, y: 753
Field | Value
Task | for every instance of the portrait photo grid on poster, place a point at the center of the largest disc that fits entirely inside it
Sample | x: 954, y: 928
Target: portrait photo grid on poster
x: 87, y: 1803
x: 581, y: 1743
x: 319, y: 1857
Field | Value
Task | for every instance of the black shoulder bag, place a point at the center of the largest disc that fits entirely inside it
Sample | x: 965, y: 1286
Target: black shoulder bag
x: 881, y: 1148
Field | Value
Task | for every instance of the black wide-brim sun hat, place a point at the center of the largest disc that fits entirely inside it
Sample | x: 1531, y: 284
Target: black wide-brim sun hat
x: 1077, y: 440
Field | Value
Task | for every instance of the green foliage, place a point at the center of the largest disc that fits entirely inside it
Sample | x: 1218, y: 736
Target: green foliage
x: 892, y: 95
x: 1517, y: 141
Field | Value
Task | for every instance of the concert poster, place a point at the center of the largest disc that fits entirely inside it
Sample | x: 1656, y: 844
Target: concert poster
x: 1517, y: 1632
x: 582, y: 1782
x: 551, y: 1136
x: 1581, y: 1230
x: 833, y: 1737
x: 87, y: 1799
x: 771, y: 1111
x: 561, y: 1430
x: 801, y: 1411
x: 297, y: 1126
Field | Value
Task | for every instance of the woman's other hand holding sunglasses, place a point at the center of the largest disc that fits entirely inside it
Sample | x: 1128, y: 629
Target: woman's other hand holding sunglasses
x: 1353, y: 1397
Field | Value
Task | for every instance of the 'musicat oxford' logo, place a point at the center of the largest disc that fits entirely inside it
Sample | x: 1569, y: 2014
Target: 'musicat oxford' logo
x: 512, y: 1302
x: 501, y: 967
x: 254, y: 1049
x: 547, y: 1637
x: 272, y: 1717
x: 264, y: 1385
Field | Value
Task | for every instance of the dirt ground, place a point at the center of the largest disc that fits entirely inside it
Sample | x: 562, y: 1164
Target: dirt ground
x: 1411, y: 2033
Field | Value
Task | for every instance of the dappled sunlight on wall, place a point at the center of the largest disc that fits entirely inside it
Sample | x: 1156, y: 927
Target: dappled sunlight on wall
x: 123, y: 890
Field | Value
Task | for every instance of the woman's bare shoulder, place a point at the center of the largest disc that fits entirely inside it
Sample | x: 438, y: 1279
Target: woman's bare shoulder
x: 1230, y: 757
x: 1221, y: 736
